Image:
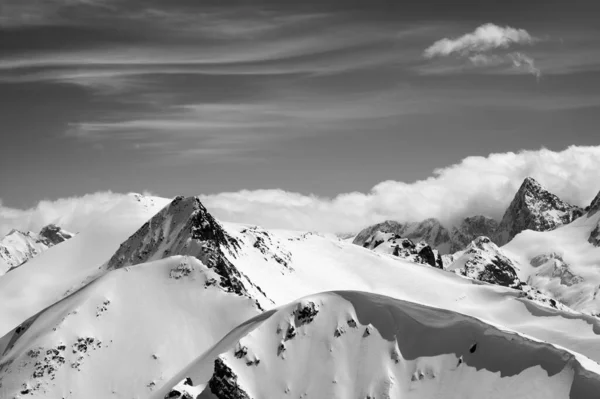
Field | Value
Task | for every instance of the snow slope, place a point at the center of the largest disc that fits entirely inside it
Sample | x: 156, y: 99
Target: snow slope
x: 61, y: 269
x: 562, y: 262
x: 358, y: 345
x: 121, y: 335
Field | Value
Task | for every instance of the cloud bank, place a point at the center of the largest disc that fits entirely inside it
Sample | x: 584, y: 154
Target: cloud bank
x: 486, y: 46
x: 476, y: 185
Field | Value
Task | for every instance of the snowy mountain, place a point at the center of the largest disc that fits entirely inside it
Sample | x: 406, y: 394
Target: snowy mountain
x: 18, y: 247
x: 123, y: 318
x: 534, y: 208
x: 371, y: 346
x: 562, y: 263
x: 63, y: 269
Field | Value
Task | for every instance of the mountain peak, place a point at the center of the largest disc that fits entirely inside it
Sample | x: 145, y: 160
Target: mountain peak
x: 54, y: 234
x: 534, y: 208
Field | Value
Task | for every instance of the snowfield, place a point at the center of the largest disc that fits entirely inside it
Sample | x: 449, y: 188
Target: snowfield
x: 359, y: 345
x: 158, y: 299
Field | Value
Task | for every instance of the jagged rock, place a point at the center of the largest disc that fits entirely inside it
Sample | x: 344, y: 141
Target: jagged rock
x: 534, y: 208
x: 54, y: 234
x: 305, y: 314
x: 401, y: 247
x: 224, y: 383
x: 185, y: 227
x: 484, y: 261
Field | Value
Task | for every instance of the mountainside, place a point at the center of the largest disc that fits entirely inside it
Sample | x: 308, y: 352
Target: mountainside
x: 534, y: 208
x: 18, y: 247
x: 372, y: 346
x: 123, y: 335
x: 562, y: 263
x: 64, y: 268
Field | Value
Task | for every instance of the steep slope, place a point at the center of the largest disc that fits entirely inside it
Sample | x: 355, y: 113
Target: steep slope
x: 18, y: 247
x: 63, y: 268
x: 534, y: 208
x: 123, y: 334
x: 361, y: 345
x: 393, y: 244
x: 469, y: 229
x: 430, y: 230
x: 562, y: 263
x: 184, y: 227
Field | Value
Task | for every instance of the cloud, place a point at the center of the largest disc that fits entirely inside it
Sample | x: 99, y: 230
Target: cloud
x: 476, y: 185
x: 74, y: 214
x: 486, y: 47
x: 485, y: 38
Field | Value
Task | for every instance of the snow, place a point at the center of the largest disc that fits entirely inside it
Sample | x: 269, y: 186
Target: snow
x: 370, y: 346
x: 63, y: 268
x: 127, y: 325
x: 123, y: 334
x: 570, y: 244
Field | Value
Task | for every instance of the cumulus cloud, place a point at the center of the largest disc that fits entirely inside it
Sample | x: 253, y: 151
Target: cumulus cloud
x: 485, y: 38
x: 486, y: 46
x: 476, y: 185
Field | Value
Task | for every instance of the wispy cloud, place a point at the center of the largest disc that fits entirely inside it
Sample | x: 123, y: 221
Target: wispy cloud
x: 487, y: 47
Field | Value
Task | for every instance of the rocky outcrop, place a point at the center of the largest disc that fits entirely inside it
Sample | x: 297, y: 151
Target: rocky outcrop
x: 224, y: 383
x: 401, y: 247
x: 552, y: 266
x: 534, y: 208
x: 484, y: 261
x: 595, y: 236
x: 53, y: 234
x: 594, y: 206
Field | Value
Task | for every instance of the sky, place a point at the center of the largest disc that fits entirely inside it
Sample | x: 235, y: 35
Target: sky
x: 313, y: 98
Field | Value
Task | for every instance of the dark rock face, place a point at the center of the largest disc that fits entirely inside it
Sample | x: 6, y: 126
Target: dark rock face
x: 471, y: 228
x: 595, y: 236
x: 184, y: 227
x: 426, y: 253
x: 534, y: 208
x: 594, y: 206
x: 224, y: 383
x: 52, y: 234
x: 484, y: 261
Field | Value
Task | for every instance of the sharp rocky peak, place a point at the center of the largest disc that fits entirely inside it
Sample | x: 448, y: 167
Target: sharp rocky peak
x: 594, y: 206
x: 54, y: 234
x: 185, y: 227
x: 534, y: 208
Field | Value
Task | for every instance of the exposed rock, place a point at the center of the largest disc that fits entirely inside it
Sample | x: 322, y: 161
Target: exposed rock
x: 224, y: 383
x: 484, y: 261
x: 54, y: 234
x: 552, y: 266
x: 595, y: 236
x: 534, y: 208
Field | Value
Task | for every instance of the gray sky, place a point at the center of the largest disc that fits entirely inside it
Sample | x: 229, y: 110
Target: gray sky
x: 326, y: 97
